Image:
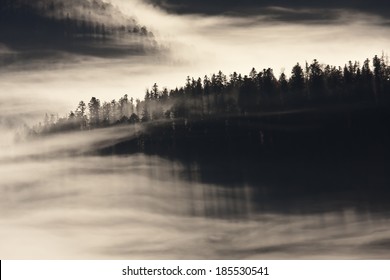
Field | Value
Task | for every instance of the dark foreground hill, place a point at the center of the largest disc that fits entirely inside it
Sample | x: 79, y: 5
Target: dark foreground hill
x: 336, y: 157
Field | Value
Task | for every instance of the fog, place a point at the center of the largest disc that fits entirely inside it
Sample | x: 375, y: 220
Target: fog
x: 194, y: 45
x: 60, y: 199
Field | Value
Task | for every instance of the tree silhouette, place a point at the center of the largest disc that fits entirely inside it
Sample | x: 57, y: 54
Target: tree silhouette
x: 283, y: 87
x: 316, y: 80
x: 94, y: 110
x: 80, y: 115
x: 297, y: 83
x: 216, y: 97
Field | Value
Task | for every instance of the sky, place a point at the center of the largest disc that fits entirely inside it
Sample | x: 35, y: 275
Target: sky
x: 254, y: 7
x: 43, y: 70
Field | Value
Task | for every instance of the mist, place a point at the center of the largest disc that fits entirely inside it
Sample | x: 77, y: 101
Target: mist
x: 193, y: 45
x: 62, y: 199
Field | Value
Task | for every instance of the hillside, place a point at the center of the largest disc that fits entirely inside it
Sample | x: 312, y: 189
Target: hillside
x: 86, y: 27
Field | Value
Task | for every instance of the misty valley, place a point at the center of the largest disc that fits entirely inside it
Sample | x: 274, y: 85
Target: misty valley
x: 223, y: 168
x: 226, y: 155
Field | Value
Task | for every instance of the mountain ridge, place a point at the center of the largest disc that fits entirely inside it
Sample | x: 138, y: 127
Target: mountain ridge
x: 85, y: 27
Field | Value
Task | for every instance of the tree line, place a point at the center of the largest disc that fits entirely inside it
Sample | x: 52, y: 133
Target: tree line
x: 313, y: 84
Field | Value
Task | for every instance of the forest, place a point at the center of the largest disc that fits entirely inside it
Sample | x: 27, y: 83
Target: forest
x: 320, y: 120
x: 310, y: 86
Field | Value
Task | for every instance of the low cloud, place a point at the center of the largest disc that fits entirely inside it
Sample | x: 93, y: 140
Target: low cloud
x: 195, y: 45
x: 256, y: 7
x: 40, y: 29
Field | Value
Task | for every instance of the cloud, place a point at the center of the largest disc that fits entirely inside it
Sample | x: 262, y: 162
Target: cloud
x: 36, y: 29
x: 257, y: 7
x: 198, y: 45
x: 301, y: 15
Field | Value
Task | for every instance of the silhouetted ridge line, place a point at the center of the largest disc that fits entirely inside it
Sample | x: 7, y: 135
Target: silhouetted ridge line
x: 319, y: 114
x: 313, y: 86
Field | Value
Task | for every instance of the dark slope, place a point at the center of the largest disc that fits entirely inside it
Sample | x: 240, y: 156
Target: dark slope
x: 310, y: 161
x: 83, y: 27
